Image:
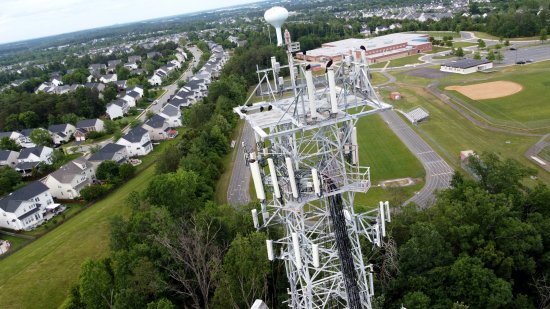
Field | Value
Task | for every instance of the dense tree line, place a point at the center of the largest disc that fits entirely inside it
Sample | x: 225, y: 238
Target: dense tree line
x: 484, y: 244
x: 178, y: 248
x: 29, y: 110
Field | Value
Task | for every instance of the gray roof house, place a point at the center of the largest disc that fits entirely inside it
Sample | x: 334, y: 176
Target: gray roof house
x: 23, y: 209
x: 8, y: 158
x: 112, y: 152
x: 137, y: 141
x: 68, y: 180
x: 156, y: 126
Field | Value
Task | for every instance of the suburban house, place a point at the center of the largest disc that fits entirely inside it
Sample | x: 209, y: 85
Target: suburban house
x: 156, y: 79
x: 8, y: 158
x: 137, y: 89
x: 68, y: 180
x: 112, y: 152
x: 121, y: 84
x: 23, y: 209
x: 25, y: 138
x: 131, y: 66
x: 111, y: 65
x: 153, y: 55
x: 131, y: 97
x: 172, y: 114
x: 14, y: 136
x: 85, y: 126
x: 182, y: 100
x: 134, y: 59
x: 108, y: 78
x: 137, y: 142
x: 117, y: 108
x: 61, y: 133
x: 96, y: 67
x: 156, y: 127
x: 57, y: 81
x: 36, y: 154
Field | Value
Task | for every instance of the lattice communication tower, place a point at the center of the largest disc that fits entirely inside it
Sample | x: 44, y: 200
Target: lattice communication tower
x: 306, y: 173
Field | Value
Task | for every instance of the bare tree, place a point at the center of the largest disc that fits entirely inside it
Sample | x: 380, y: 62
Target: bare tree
x: 389, y: 266
x: 198, y: 258
x: 543, y: 289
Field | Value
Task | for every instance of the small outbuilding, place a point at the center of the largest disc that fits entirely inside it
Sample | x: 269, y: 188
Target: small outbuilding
x: 466, y: 66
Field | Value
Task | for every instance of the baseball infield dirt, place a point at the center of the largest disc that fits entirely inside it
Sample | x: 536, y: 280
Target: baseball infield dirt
x: 491, y: 90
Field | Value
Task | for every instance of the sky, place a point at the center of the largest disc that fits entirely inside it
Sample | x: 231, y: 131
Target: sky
x: 27, y: 19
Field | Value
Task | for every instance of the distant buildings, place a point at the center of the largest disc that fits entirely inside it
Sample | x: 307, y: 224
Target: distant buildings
x: 378, y: 49
x: 466, y: 66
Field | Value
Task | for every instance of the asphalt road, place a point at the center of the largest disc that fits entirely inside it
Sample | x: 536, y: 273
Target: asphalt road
x: 237, y: 192
x: 172, y: 88
x: 438, y: 172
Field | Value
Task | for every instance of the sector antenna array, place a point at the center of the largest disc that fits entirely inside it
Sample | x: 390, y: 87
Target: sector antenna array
x: 306, y: 172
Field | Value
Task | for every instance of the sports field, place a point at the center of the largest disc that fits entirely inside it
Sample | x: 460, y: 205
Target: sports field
x: 40, y: 274
x: 448, y: 132
x: 490, y: 90
x: 528, y: 108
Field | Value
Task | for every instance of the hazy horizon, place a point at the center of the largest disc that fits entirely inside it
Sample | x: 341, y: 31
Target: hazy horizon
x: 22, y: 20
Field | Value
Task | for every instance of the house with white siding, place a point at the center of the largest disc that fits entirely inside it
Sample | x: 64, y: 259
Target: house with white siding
x: 68, y: 180
x: 8, y: 158
x: 137, y: 142
x: 117, y: 109
x: 24, y: 208
x: 61, y: 133
x: 172, y: 114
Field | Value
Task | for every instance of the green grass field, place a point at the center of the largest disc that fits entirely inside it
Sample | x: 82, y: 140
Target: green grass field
x: 486, y: 36
x: 529, y: 108
x: 399, y: 62
x: 463, y: 44
x: 40, y: 274
x: 15, y: 242
x: 449, y: 133
x: 387, y: 157
x: 440, y: 34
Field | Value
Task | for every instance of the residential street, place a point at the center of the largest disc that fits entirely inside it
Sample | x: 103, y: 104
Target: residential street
x: 155, y: 108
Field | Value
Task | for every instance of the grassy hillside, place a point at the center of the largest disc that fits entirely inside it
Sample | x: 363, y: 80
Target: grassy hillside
x: 39, y: 275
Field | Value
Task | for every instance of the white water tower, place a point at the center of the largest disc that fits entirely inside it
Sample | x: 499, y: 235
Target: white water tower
x: 276, y: 16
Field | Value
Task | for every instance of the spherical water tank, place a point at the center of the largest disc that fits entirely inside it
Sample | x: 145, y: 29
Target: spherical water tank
x: 276, y: 16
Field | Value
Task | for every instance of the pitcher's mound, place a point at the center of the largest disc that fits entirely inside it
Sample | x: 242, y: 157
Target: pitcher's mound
x: 491, y: 90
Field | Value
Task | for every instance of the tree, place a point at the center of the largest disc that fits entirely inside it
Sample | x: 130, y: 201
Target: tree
x: 481, y: 44
x: 491, y: 55
x: 41, y: 137
x: 507, y: 43
x: 108, y: 171
x: 110, y: 126
x: 197, y: 259
x: 97, y: 284
x: 499, y: 57
x: 169, y: 160
x: 244, y: 274
x: 126, y: 171
x: 9, y: 178
x: 477, y: 56
x: 122, y: 73
x: 93, y: 192
x: 543, y: 35
x: 459, y: 52
x: 7, y: 143
x: 181, y: 192
x: 162, y: 303
x: 29, y: 119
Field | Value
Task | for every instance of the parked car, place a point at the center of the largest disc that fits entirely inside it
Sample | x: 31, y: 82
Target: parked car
x: 529, y: 60
x: 512, y: 48
x: 520, y: 62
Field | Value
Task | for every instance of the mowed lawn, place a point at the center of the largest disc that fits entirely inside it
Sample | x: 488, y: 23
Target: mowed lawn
x: 449, y: 133
x: 387, y: 157
x: 529, y: 108
x: 40, y: 274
